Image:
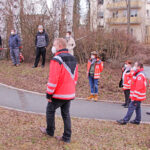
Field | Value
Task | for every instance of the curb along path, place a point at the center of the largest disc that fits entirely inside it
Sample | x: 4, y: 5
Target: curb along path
x: 35, y: 102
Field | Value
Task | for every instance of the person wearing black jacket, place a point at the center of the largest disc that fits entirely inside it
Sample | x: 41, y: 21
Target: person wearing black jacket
x: 41, y: 42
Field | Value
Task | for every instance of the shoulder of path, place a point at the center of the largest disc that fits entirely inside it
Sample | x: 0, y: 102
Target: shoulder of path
x: 43, y: 94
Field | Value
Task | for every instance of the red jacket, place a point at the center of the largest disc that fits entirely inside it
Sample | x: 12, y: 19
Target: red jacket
x: 98, y: 68
x: 127, y: 77
x: 63, y: 76
x: 138, y: 86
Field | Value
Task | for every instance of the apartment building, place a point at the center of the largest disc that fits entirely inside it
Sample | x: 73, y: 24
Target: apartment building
x: 112, y: 15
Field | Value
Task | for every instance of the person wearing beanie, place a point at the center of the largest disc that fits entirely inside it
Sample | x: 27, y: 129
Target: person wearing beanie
x: 41, y: 43
x: 14, y: 44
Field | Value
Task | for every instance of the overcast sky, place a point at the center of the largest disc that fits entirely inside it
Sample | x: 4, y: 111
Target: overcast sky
x: 82, y: 4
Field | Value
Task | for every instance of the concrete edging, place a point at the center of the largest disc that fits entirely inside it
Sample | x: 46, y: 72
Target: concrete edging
x: 42, y: 94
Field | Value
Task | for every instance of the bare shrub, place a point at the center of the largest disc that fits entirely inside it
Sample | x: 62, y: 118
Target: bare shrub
x: 117, y: 46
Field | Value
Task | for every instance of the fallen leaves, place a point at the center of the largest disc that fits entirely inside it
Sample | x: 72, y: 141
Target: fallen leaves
x: 19, y: 130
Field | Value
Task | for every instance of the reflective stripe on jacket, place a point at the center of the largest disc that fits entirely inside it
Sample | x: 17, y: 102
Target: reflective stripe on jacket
x: 63, y: 76
x: 98, y: 68
x: 138, y: 86
x: 127, y: 77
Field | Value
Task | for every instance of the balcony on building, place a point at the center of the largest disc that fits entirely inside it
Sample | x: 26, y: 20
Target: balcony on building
x: 123, y: 20
x: 135, y: 4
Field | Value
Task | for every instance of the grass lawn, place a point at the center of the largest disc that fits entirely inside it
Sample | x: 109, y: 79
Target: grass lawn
x: 26, y: 77
x: 20, y: 131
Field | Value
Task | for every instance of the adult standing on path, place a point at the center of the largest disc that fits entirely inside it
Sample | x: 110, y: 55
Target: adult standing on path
x: 14, y: 44
x: 70, y: 43
x: 41, y: 42
x: 60, y: 89
x: 126, y: 79
x: 94, y: 69
x: 137, y: 94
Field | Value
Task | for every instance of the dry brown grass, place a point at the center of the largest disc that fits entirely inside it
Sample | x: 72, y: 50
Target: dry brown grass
x: 20, y: 131
x: 26, y: 77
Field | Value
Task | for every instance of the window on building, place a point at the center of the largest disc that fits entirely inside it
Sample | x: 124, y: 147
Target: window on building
x: 101, y: 14
x: 131, y: 31
x: 147, y: 13
x: 114, y: 30
x: 115, y: 14
x: 134, y: 13
x: 101, y: 2
x: 147, y: 30
x: 125, y: 13
x: 114, y: 1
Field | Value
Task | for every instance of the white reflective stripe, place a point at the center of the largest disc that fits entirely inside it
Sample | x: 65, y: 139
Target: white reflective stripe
x: 51, y: 84
x: 49, y: 90
x: 75, y: 82
x: 67, y: 68
x: 126, y: 85
x: 138, y: 96
x: 126, y: 88
x: 139, y: 93
x: 64, y: 96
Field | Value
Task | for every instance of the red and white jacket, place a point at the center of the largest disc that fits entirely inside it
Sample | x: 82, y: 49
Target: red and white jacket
x: 126, y: 78
x: 138, y: 86
x: 98, y: 67
x: 63, y: 76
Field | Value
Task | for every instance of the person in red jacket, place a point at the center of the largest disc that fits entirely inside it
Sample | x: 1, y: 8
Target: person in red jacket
x: 94, y: 68
x: 126, y: 81
x: 61, y: 85
x: 137, y: 95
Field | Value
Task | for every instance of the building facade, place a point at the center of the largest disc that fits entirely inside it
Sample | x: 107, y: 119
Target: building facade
x: 112, y: 15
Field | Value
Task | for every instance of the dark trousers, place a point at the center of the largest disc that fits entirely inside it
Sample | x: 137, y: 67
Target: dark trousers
x: 50, y: 117
x: 127, y: 97
x: 134, y: 105
x: 40, y: 51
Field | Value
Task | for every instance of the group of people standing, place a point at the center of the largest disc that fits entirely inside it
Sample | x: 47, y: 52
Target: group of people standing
x: 41, y: 44
x: 134, y: 85
x: 63, y: 76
